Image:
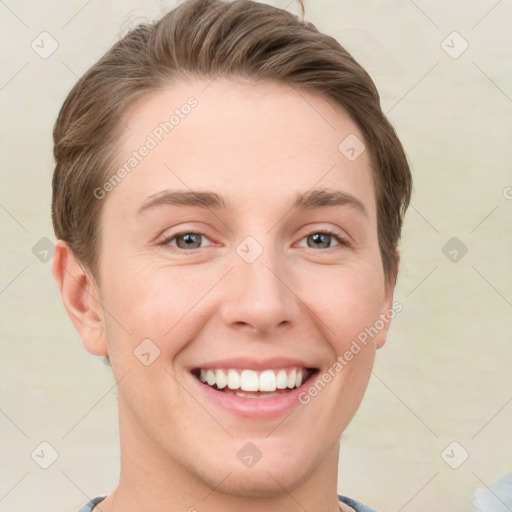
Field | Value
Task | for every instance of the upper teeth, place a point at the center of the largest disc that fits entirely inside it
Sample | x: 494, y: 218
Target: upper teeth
x: 250, y: 380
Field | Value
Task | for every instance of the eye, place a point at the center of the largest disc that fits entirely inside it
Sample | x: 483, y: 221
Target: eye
x: 186, y: 240
x: 190, y: 240
x: 322, y: 239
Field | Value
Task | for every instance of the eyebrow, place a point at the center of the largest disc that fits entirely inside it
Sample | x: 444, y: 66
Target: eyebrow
x: 210, y: 200
x: 320, y: 198
x: 206, y: 200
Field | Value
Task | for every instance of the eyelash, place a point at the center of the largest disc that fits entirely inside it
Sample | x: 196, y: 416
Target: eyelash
x: 342, y: 240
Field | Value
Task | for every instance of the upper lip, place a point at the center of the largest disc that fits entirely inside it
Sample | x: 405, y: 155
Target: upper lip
x: 249, y: 363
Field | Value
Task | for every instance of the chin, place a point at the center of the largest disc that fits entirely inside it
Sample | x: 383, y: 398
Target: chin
x: 267, y: 478
x: 254, y: 483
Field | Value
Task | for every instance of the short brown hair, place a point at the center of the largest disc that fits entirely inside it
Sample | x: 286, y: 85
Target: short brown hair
x: 206, y: 39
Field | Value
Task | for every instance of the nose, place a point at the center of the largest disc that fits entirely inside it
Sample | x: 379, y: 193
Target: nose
x: 259, y: 296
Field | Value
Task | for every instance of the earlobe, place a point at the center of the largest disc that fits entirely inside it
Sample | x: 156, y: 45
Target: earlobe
x: 81, y: 298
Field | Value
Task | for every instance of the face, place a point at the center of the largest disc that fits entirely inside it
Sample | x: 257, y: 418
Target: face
x: 256, y: 284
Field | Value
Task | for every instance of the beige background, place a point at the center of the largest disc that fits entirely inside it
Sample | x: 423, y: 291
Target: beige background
x: 444, y: 374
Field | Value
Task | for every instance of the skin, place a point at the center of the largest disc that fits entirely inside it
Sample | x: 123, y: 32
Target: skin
x: 257, y: 146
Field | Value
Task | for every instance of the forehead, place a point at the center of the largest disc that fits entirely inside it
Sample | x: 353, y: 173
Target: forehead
x: 240, y: 139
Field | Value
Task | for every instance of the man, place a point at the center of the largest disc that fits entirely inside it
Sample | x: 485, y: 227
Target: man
x: 228, y: 198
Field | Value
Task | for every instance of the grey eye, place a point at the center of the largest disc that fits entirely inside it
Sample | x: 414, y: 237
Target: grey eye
x: 187, y: 240
x: 321, y: 240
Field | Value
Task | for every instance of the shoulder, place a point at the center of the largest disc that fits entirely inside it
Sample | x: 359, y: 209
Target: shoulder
x: 91, y: 504
x: 356, y: 505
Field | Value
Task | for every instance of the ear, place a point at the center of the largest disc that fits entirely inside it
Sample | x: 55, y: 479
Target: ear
x: 81, y: 298
x: 388, y: 309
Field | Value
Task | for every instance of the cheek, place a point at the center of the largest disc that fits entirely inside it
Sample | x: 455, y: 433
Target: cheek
x: 349, y: 301
x: 145, y: 302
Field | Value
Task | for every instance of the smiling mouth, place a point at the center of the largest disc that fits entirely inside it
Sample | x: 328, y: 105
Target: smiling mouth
x: 254, y: 384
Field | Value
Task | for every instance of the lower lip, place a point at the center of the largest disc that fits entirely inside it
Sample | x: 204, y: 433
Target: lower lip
x: 255, y: 408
